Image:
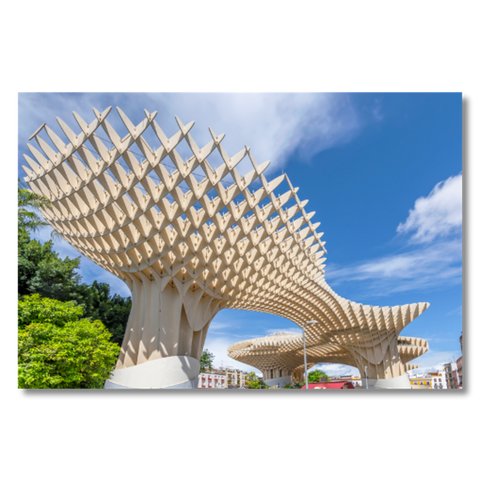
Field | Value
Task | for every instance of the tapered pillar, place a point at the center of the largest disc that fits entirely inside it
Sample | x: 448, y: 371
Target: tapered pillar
x: 381, y: 363
x: 165, y: 335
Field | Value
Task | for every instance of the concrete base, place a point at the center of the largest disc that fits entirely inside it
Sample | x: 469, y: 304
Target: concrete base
x: 281, y: 381
x: 168, y: 372
x: 382, y: 383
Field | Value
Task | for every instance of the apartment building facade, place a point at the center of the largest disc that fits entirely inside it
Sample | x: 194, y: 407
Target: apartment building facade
x: 421, y: 381
x: 459, y: 363
x: 451, y: 375
x: 436, y: 380
x: 222, y: 378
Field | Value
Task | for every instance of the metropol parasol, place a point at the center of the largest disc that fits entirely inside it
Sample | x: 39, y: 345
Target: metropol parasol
x: 192, y: 237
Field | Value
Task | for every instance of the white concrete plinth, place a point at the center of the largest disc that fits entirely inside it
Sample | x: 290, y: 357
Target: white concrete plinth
x: 280, y: 381
x: 168, y: 372
x: 381, y: 383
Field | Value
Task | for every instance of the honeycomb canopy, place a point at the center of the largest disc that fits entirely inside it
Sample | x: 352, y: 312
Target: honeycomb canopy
x: 191, y: 237
x: 283, y: 354
x: 130, y: 207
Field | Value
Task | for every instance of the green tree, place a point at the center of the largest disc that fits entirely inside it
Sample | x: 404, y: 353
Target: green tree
x: 255, y: 383
x: 40, y: 270
x: 314, y: 377
x: 28, y: 202
x: 57, y: 349
x: 294, y: 385
x: 78, y: 355
x: 112, y: 310
x: 35, y: 309
x: 206, y: 361
x: 18, y: 328
x: 25, y: 220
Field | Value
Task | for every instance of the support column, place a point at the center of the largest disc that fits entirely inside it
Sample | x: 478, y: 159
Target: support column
x: 394, y: 382
x: 165, y: 335
x: 280, y: 381
x: 384, y: 366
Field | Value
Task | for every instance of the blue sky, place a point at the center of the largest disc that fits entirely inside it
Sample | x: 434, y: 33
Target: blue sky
x: 382, y: 171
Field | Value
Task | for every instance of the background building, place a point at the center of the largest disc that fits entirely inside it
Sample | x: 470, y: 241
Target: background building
x: 435, y: 380
x: 222, y: 378
x: 438, y: 380
x: 451, y: 375
x: 421, y: 381
x: 355, y: 380
x: 459, y: 363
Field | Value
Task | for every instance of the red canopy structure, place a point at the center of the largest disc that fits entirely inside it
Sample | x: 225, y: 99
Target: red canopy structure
x: 330, y: 385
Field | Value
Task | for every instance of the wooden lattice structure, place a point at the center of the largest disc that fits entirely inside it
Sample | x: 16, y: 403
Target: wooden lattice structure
x: 281, y: 355
x: 189, y: 240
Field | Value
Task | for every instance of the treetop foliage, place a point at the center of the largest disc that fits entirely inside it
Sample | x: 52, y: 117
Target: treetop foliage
x: 314, y: 377
x: 206, y: 361
x: 35, y: 309
x: 255, y: 383
x: 42, y: 271
x: 28, y: 201
x: 77, y: 355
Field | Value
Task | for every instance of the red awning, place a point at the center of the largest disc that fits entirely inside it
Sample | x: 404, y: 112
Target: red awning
x: 330, y: 385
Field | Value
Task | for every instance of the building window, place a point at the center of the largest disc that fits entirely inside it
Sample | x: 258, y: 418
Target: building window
x: 280, y: 373
x: 271, y: 373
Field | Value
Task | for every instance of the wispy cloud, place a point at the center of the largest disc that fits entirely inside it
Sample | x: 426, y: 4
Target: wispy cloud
x: 377, y: 110
x: 218, y: 345
x: 433, y: 360
x: 457, y: 312
x: 437, y: 215
x: 273, y: 124
x: 335, y: 369
x: 435, y: 254
x: 428, y: 267
x: 289, y: 331
x: 218, y: 325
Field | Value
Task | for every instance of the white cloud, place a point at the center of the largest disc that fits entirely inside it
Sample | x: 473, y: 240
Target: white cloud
x: 218, y: 345
x: 218, y: 325
x: 273, y: 124
x: 433, y: 360
x: 336, y: 369
x: 428, y: 267
x: 457, y: 312
x: 377, y: 110
x: 430, y: 264
x: 437, y: 215
x: 289, y: 331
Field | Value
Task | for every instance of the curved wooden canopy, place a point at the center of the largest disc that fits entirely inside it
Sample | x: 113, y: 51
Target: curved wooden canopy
x: 215, y: 237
